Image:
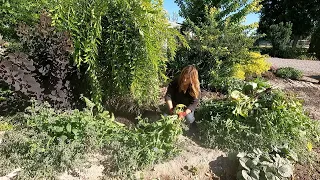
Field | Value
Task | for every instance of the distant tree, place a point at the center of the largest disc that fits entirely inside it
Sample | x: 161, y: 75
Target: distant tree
x: 315, y: 42
x: 279, y: 35
x: 302, y: 14
x: 196, y: 10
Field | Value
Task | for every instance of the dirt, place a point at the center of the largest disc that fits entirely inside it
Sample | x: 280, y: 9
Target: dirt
x: 309, y: 171
x: 308, y: 67
x: 93, y: 171
x: 194, y: 162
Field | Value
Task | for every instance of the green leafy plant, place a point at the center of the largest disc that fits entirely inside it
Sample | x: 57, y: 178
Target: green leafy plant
x: 13, y: 12
x: 121, y: 44
x: 146, y: 145
x: 37, y: 154
x: 310, y: 57
x: 256, y: 117
x: 45, y: 141
x: 225, y: 84
x: 260, y: 165
x: 5, y: 126
x: 289, y: 73
x: 217, y: 39
x: 4, y: 94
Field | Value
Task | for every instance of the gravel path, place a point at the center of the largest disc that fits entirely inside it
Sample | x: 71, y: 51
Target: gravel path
x: 309, y: 68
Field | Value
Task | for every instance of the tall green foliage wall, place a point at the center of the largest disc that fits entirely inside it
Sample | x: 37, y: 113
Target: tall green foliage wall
x: 124, y: 45
x: 133, y: 50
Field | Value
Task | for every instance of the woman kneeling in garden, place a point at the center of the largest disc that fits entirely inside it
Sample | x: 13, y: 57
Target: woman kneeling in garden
x: 185, y: 89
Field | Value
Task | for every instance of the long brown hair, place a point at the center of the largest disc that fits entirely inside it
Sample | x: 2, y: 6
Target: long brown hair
x: 189, y: 74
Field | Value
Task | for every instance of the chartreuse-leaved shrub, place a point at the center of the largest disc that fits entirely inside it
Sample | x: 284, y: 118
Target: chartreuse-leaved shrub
x: 256, y: 65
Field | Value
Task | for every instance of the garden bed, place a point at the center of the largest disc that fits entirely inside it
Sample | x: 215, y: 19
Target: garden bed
x: 196, y: 162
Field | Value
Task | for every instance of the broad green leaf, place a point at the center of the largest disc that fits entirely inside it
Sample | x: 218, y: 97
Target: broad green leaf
x: 68, y: 127
x: 271, y: 176
x: 243, y: 162
x: 75, y: 131
x: 58, y: 129
x: 286, y: 170
x: 254, y: 173
x: 63, y: 138
x: 241, y: 154
x: 253, y: 85
x: 245, y: 175
x: 236, y: 95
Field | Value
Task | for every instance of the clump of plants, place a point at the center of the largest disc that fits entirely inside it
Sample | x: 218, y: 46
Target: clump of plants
x: 289, y: 73
x: 256, y: 117
x: 253, y: 68
x: 277, y: 164
x: 45, y: 142
x: 145, y: 145
x: 225, y: 84
x: 5, y: 126
x: 121, y: 45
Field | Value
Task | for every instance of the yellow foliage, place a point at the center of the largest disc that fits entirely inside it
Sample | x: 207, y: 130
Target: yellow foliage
x: 256, y: 66
x: 309, y: 146
x: 239, y: 72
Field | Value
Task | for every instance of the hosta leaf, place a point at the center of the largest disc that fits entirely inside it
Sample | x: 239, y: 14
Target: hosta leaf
x: 255, y: 161
x: 286, y: 170
x: 253, y: 85
x: 245, y: 175
x: 271, y: 176
x: 241, y: 154
x: 58, y: 129
x: 236, y: 95
x: 63, y: 138
x: 75, y: 131
x: 243, y: 162
x: 68, y: 127
x: 255, y: 174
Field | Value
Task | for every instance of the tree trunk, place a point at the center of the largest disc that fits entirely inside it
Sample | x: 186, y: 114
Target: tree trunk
x: 295, y: 41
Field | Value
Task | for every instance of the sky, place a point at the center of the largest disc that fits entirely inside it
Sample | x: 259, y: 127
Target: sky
x: 172, y: 7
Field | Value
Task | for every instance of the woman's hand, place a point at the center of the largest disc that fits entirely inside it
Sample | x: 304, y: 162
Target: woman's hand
x: 182, y: 115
